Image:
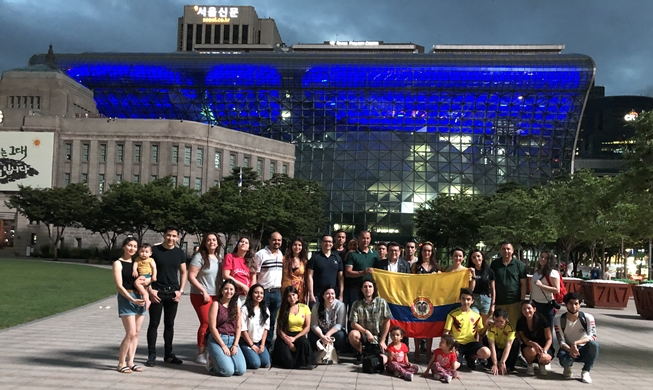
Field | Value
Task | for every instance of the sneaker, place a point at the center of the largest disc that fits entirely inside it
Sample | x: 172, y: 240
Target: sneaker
x: 201, y: 359
x: 436, y: 376
x: 542, y: 370
x: 567, y: 373
x: 408, y: 376
x: 151, y: 360
x: 512, y: 370
x: 359, y: 358
x: 448, y: 378
x: 522, y: 362
x: 172, y: 359
x: 531, y: 369
x: 585, y: 377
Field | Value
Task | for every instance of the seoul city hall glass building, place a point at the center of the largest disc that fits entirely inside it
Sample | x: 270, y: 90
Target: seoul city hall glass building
x: 381, y: 131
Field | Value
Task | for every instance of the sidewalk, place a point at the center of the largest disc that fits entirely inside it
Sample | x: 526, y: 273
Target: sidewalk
x: 78, y: 350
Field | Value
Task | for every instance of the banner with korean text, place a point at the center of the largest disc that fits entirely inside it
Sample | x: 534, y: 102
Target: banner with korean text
x: 26, y: 158
x: 420, y: 303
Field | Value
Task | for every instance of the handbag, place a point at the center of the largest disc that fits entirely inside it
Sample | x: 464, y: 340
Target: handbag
x: 326, y: 353
x: 553, y: 303
x: 372, y: 360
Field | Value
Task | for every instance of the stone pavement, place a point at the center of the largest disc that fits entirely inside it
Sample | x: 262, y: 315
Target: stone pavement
x: 78, y: 350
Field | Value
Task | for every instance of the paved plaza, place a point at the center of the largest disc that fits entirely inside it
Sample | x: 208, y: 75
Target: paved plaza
x: 78, y: 350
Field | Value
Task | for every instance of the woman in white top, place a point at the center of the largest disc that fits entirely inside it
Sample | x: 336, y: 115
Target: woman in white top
x: 255, y: 320
x: 328, y: 320
x: 203, y: 277
x: 544, y: 285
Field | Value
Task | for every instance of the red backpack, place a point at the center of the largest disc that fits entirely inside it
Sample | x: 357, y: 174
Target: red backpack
x: 563, y: 291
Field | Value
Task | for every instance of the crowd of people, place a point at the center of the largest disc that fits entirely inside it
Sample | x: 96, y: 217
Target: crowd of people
x: 285, y: 310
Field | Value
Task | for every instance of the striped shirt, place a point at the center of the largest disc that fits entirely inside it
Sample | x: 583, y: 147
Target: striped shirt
x: 269, y: 267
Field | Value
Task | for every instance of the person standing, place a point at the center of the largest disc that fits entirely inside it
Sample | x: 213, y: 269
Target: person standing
x: 294, y: 268
x: 269, y: 268
x: 545, y: 283
x: 394, y: 263
x: 510, y: 282
x: 359, y: 267
x: 165, y: 294
x: 482, y: 285
x: 324, y: 269
x: 410, y: 248
x: 203, y: 274
x: 239, y: 266
x: 382, y: 249
x: 339, y: 241
x: 131, y: 306
x: 425, y: 264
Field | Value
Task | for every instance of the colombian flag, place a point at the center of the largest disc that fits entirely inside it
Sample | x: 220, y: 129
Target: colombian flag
x: 420, y: 303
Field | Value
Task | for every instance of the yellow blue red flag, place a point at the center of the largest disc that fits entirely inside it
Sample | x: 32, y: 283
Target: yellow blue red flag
x: 420, y: 303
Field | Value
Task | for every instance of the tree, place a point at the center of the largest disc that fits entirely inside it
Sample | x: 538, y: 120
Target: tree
x: 58, y: 208
x: 129, y: 203
x: 103, y: 219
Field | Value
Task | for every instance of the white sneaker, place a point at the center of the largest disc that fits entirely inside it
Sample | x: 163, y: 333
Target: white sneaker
x: 436, y: 376
x: 542, y: 369
x: 567, y: 373
x: 531, y: 369
x: 201, y: 359
x: 448, y: 378
x: 585, y: 377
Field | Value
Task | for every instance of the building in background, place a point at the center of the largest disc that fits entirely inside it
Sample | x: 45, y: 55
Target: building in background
x: 383, y: 129
x: 606, y: 131
x: 51, y: 134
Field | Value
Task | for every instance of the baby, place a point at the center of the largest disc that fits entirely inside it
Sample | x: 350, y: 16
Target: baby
x: 146, y: 267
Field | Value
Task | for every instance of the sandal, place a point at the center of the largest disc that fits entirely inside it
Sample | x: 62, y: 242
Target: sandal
x: 125, y: 370
x: 136, y: 368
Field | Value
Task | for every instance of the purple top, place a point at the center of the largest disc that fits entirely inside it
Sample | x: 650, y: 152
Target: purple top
x: 222, y: 322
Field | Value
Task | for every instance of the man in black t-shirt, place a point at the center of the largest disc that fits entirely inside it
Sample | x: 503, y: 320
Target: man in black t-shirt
x: 324, y: 269
x: 165, y: 294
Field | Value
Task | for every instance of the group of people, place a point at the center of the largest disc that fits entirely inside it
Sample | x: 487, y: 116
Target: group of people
x: 266, y: 308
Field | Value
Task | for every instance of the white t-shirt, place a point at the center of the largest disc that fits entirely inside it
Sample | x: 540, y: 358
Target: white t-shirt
x: 393, y: 267
x: 538, y: 294
x: 210, y: 278
x: 269, y: 267
x: 253, y: 325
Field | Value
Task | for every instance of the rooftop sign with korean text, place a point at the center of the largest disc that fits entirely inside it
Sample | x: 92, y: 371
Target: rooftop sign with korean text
x: 216, y: 14
x: 26, y: 158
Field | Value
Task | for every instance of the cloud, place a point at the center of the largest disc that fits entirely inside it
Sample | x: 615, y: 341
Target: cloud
x: 614, y: 33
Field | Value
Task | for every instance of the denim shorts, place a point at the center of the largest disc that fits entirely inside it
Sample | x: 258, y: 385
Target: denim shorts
x: 482, y: 303
x: 127, y: 308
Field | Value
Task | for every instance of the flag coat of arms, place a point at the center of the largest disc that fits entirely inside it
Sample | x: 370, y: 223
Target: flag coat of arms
x: 420, y: 303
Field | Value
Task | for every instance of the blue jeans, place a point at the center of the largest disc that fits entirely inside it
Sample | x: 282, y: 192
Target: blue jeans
x: 548, y: 312
x: 588, y: 354
x: 224, y: 365
x: 253, y: 359
x: 273, y: 302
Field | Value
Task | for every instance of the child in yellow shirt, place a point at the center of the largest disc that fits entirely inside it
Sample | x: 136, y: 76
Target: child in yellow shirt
x: 146, y: 267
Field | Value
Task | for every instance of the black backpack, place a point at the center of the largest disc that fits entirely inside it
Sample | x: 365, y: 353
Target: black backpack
x: 372, y: 360
x: 581, y: 317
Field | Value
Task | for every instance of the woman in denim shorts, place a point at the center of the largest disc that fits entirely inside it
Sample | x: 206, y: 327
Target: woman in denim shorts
x: 482, y: 284
x: 131, y: 306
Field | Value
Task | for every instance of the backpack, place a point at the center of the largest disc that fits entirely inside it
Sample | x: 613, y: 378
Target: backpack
x: 559, y: 297
x: 581, y: 317
x: 372, y: 360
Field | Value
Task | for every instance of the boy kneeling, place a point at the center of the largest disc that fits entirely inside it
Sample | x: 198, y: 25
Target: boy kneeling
x: 464, y: 324
x: 503, y: 348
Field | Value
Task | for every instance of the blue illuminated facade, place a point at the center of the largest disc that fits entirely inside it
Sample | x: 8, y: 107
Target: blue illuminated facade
x: 381, y: 132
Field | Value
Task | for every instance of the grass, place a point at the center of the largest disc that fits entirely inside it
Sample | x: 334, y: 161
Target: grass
x: 33, y: 289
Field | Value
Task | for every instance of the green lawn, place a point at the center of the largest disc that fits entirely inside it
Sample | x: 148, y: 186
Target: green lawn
x: 33, y: 289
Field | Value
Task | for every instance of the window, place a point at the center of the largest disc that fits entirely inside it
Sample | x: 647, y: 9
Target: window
x: 218, y: 157
x: 200, y: 157
x: 225, y: 36
x: 198, y: 34
x: 85, y: 150
x: 175, y: 154
x: 100, y: 183
x: 152, y: 177
x: 137, y: 153
x: 259, y: 167
x: 155, y: 154
x: 186, y: 181
x: 118, y: 178
x: 216, y: 183
x: 174, y: 181
x: 120, y: 153
x: 84, y: 178
x: 11, y: 102
x: 103, y: 152
x: 198, y: 184
x: 189, y: 37
x: 216, y: 34
x: 187, y: 153
x: 69, y: 151
x: 284, y: 169
x: 136, y: 179
x: 246, y: 161
x: 245, y: 33
x: 66, y: 179
x: 232, y: 161
x: 236, y: 34
x: 273, y: 169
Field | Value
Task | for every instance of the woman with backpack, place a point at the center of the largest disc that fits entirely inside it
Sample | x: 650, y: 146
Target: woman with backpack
x: 545, y: 284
